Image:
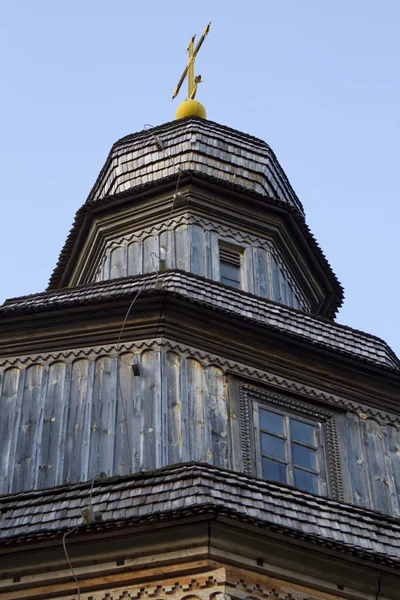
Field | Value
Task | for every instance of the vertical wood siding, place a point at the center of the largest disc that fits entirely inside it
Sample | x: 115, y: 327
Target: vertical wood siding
x: 192, y: 248
x: 70, y: 420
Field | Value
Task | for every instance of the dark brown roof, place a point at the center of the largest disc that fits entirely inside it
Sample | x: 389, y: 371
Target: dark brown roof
x: 192, y: 488
x: 288, y: 321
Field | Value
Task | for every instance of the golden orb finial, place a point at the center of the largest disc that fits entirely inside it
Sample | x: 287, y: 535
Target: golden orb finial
x: 191, y: 107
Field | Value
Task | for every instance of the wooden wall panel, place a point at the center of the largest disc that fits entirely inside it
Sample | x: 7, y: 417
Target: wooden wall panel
x: 103, y: 417
x: 76, y: 457
x: 135, y: 258
x: 197, y: 250
x: 173, y: 373
x: 149, y: 413
x: 216, y: 417
x: 52, y: 427
x: 9, y: 421
x: 195, y: 401
x: 151, y: 254
x: 118, y: 262
x: 356, y: 462
x: 391, y: 443
x: 376, y: 466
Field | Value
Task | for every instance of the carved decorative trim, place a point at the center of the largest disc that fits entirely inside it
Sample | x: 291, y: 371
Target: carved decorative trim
x: 207, y: 358
x: 249, y: 394
x: 215, y: 586
x: 333, y: 458
x: 245, y: 430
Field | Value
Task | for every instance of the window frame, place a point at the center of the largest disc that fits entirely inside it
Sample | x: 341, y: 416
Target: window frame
x: 251, y: 398
x: 288, y: 414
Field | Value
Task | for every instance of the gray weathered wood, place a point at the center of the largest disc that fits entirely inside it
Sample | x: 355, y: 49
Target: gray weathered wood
x: 118, y: 262
x: 174, y: 402
x: 197, y: 248
x: 52, y: 428
x: 357, y: 462
x: 78, y: 424
x: 195, y: 401
x: 103, y: 419
x: 10, y: 414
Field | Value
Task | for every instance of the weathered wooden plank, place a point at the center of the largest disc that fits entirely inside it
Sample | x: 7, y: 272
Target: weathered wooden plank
x: 216, y: 416
x: 182, y: 253
x: 261, y: 264
x: 214, y: 256
x: 248, y: 279
x: 356, y: 462
x: 148, y: 416
x: 282, y: 287
x: 118, y: 262
x: 197, y: 250
x: 275, y: 293
x: 78, y: 423
x: 27, y: 434
x: 391, y: 441
x: 123, y: 457
x: 196, y: 417
x: 135, y: 258
x: 102, y: 419
x: 158, y: 410
x: 52, y: 426
x: 10, y: 414
x: 376, y: 466
x: 151, y: 254
x: 208, y: 255
x: 174, y: 404
x: 106, y: 273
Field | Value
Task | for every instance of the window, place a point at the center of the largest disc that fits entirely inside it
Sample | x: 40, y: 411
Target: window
x: 291, y: 450
x: 289, y: 440
x: 229, y: 265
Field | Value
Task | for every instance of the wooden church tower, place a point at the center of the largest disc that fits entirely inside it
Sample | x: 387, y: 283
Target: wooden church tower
x: 180, y: 416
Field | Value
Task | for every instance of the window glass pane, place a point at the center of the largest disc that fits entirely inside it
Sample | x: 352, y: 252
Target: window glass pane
x: 226, y: 281
x: 304, y: 457
x: 229, y: 272
x: 273, y: 470
x: 273, y: 445
x: 272, y: 422
x: 305, y: 481
x: 302, y: 432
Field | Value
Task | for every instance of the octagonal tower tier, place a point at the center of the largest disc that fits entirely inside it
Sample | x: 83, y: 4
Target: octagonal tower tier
x: 196, y: 196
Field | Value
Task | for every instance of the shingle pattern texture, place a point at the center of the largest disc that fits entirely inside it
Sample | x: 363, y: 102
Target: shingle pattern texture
x: 313, y: 330
x: 194, y: 487
x: 195, y: 145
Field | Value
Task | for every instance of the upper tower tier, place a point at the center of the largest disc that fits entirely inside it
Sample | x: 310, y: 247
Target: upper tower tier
x: 236, y: 218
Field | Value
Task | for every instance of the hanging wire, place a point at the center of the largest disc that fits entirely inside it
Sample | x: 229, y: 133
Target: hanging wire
x: 68, y: 559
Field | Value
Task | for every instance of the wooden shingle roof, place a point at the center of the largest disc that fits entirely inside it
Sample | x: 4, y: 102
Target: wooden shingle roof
x: 193, y: 488
x: 288, y: 321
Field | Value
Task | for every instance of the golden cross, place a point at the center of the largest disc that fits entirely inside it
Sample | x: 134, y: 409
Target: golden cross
x: 189, y: 69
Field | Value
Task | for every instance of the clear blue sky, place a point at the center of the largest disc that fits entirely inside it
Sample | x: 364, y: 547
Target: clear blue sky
x: 318, y: 80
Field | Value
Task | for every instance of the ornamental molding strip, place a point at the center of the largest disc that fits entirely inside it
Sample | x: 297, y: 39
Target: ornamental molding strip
x: 220, y: 584
x: 207, y: 359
